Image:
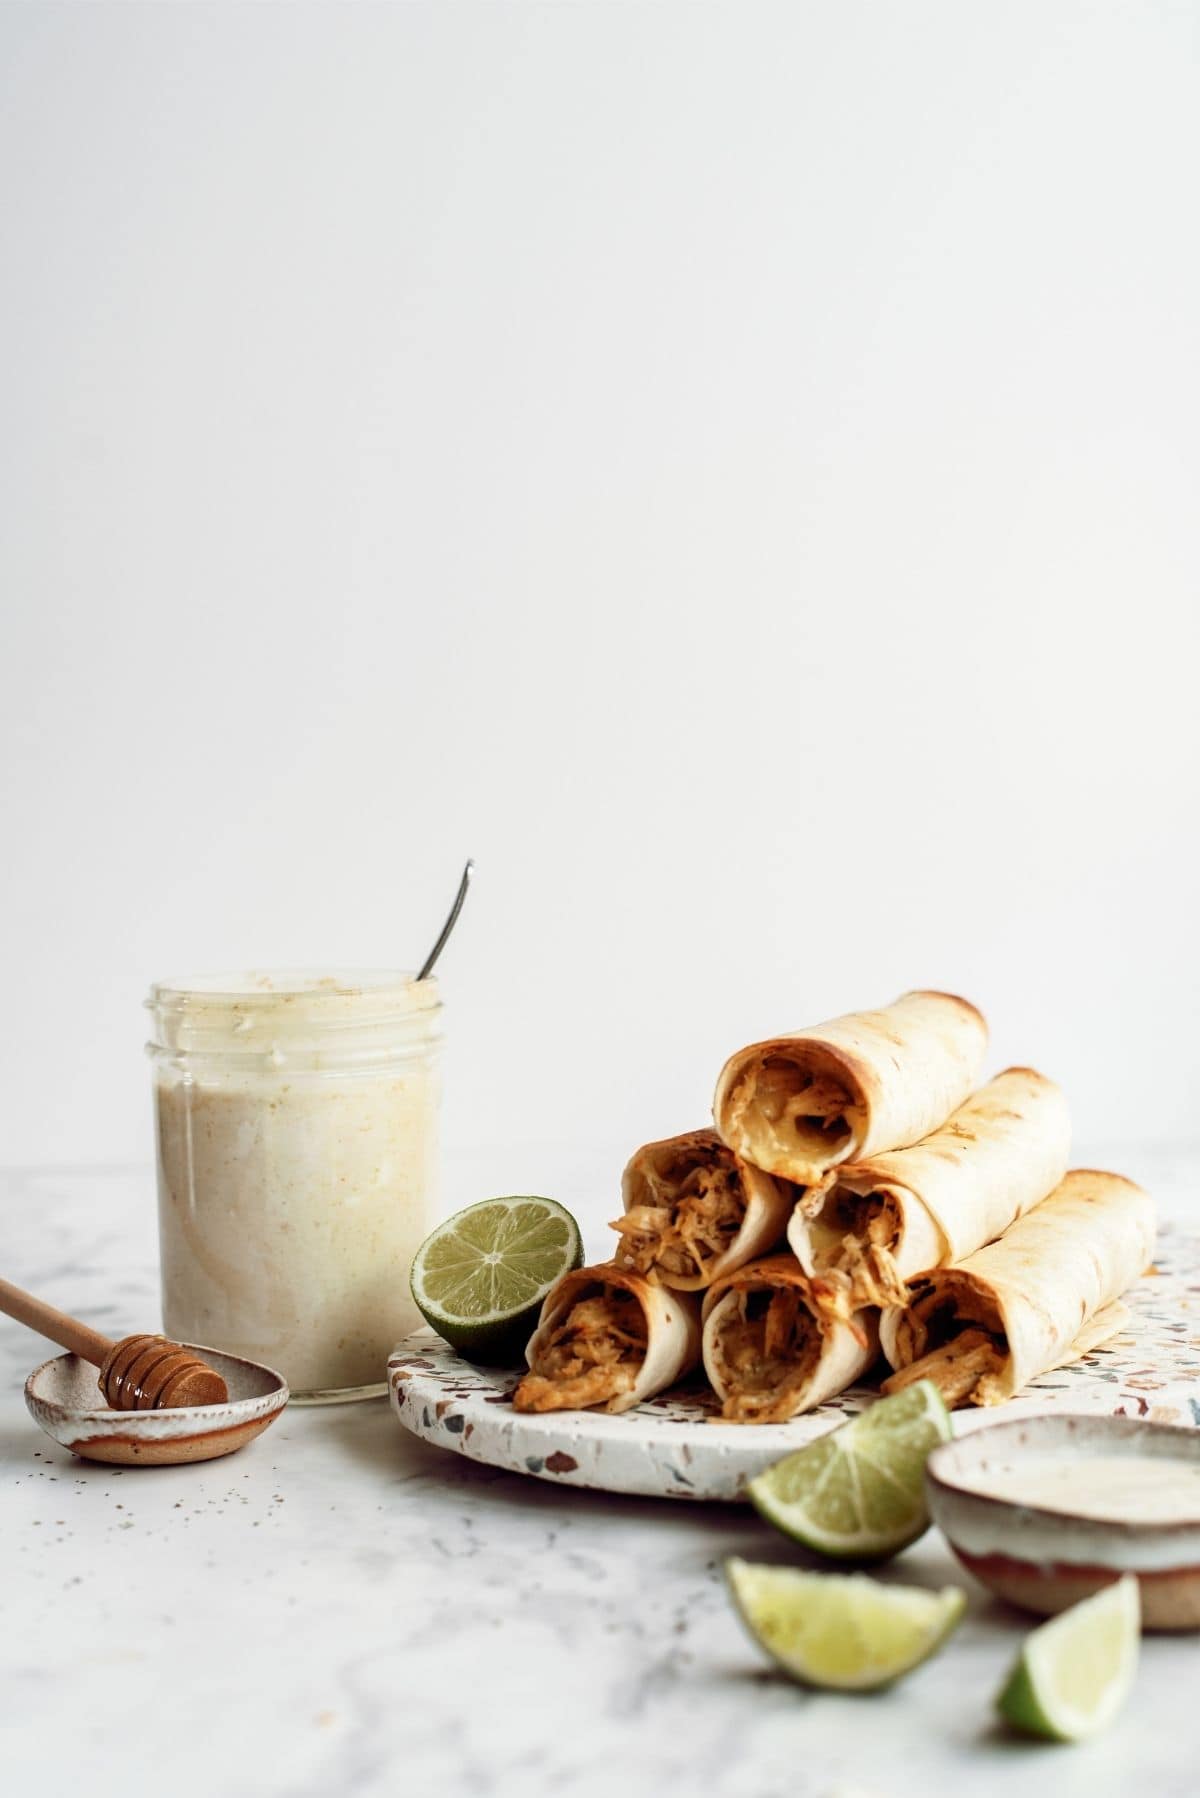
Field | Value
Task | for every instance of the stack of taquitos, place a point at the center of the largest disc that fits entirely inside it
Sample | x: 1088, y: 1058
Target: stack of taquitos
x: 851, y: 1171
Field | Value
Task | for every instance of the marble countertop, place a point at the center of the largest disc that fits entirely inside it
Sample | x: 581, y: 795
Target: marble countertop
x: 340, y: 1610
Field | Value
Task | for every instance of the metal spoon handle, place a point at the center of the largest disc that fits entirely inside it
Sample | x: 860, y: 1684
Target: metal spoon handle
x: 451, y: 921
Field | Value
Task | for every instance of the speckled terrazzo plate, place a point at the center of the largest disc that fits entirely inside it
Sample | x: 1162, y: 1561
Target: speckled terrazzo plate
x: 671, y: 1448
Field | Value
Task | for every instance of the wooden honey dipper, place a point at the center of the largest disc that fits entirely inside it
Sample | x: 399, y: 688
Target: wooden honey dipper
x: 139, y: 1373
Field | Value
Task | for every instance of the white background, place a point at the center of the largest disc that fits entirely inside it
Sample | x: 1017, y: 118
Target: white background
x: 732, y: 469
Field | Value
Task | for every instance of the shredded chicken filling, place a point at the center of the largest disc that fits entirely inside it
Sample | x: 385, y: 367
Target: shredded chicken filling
x: 796, y: 1102
x: 768, y: 1346
x: 692, y: 1219
x: 594, y: 1354
x: 962, y: 1365
x: 864, y: 1255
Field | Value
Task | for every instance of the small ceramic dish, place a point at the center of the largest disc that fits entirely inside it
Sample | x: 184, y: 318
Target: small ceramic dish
x: 1068, y: 1538
x: 64, y: 1399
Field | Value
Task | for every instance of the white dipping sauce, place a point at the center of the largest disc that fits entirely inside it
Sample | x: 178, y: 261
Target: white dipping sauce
x: 1105, y: 1488
x: 297, y: 1167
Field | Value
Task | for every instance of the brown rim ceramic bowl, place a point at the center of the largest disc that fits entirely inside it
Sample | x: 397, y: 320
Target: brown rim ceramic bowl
x: 64, y: 1399
x: 1044, y: 1558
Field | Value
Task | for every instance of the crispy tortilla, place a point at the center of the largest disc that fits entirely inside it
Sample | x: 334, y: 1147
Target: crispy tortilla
x: 879, y: 1223
x: 771, y: 1352
x: 607, y: 1339
x: 694, y: 1211
x: 799, y: 1105
x: 1045, y: 1293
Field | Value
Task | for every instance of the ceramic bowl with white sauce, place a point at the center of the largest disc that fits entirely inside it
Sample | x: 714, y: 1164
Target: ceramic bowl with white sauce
x: 1047, y: 1510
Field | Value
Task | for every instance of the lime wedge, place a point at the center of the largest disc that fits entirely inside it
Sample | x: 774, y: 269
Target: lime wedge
x: 842, y: 1631
x: 1074, y: 1673
x: 859, y: 1492
x: 480, y: 1278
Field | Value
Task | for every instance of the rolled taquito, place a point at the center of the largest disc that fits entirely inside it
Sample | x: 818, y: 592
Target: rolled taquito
x: 771, y: 1352
x: 695, y: 1211
x: 799, y: 1105
x: 878, y: 1223
x: 1047, y: 1292
x: 607, y: 1339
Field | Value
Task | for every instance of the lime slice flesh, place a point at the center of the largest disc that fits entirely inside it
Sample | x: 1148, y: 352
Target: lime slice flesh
x: 858, y: 1493
x: 480, y: 1278
x: 844, y: 1632
x: 1075, y: 1672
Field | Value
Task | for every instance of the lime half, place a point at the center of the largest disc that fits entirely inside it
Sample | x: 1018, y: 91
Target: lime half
x: 859, y: 1492
x: 480, y: 1279
x: 1074, y: 1673
x: 842, y: 1631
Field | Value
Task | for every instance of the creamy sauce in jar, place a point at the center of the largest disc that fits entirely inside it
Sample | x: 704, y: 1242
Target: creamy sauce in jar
x: 1106, y: 1488
x: 297, y: 1167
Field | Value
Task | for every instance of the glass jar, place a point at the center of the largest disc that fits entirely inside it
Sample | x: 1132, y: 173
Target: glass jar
x: 296, y: 1122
